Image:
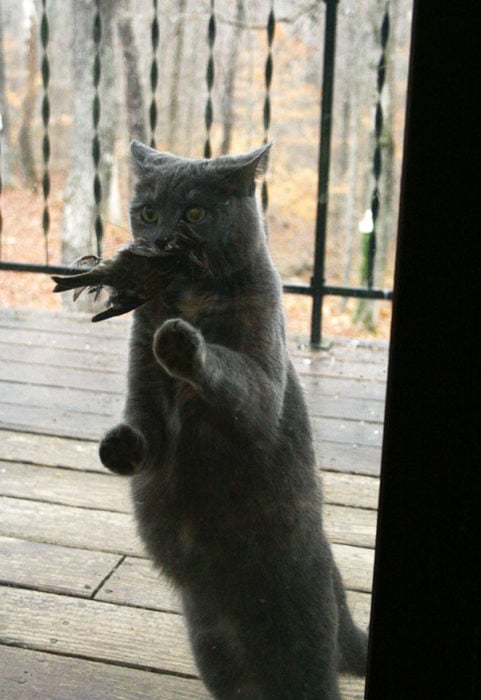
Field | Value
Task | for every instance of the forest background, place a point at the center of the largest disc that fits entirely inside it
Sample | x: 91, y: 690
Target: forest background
x: 127, y: 88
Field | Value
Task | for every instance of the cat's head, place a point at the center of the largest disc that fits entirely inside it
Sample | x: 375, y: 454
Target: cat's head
x: 215, y: 197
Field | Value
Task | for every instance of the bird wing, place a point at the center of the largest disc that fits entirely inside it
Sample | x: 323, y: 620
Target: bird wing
x: 117, y: 310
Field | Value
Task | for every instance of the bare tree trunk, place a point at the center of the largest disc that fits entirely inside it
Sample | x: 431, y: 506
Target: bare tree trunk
x: 175, y: 82
x: 352, y: 173
x: 78, y: 213
x: 78, y: 237
x: 27, y: 158
x: 385, y: 223
x: 110, y: 107
x: 343, y: 149
x: 191, y: 141
x: 6, y: 157
x: 134, y: 97
x: 231, y: 72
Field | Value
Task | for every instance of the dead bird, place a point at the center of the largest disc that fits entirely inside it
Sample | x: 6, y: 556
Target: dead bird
x: 137, y: 271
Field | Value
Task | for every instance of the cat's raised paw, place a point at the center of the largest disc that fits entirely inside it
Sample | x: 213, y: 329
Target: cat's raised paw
x: 122, y: 450
x: 180, y: 349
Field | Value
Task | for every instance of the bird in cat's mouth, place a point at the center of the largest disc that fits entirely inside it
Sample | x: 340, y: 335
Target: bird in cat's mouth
x: 137, y: 271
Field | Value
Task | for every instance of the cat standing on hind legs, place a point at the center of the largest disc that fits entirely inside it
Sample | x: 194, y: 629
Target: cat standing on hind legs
x: 218, y: 442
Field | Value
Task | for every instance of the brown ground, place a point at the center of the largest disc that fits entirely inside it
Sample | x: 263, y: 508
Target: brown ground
x: 22, y: 240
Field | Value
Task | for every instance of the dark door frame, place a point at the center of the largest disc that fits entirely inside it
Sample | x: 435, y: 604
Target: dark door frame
x: 426, y: 617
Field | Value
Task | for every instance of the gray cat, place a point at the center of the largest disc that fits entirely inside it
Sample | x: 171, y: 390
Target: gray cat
x: 218, y: 441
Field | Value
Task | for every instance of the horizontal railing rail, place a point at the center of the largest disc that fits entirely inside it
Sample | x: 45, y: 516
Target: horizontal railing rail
x: 338, y: 291
x: 43, y: 269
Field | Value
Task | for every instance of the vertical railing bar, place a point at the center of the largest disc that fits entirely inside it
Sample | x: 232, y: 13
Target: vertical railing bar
x: 377, y: 159
x: 269, y: 68
x: 96, y: 149
x: 210, y: 77
x: 154, y: 74
x: 327, y: 91
x: 45, y: 108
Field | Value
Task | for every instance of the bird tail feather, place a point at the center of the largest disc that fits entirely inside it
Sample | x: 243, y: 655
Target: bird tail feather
x: 83, y: 279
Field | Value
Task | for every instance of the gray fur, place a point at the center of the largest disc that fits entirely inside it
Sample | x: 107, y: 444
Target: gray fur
x: 218, y: 440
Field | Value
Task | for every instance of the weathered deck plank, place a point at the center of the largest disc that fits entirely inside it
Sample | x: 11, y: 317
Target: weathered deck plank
x: 354, y: 490
x: 14, y: 370
x: 54, y: 484
x: 53, y: 450
x: 95, y: 630
x: 53, y: 568
x: 82, y: 400
x: 87, y: 421
x: 33, y: 675
x: 96, y: 530
x: 82, y: 608
x: 49, y: 450
x: 110, y: 531
x: 83, y: 359
x: 139, y: 639
x: 109, y: 402
x: 64, y: 487
x: 135, y: 582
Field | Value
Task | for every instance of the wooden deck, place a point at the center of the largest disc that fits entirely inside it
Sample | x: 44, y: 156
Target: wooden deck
x: 82, y: 614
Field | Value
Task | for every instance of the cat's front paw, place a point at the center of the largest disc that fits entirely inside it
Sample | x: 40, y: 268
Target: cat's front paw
x: 122, y: 450
x: 180, y: 349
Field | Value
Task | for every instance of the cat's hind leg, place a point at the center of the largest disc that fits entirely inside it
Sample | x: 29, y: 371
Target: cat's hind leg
x: 221, y: 669
x: 260, y: 665
x: 122, y: 450
x: 352, y: 641
x: 219, y: 656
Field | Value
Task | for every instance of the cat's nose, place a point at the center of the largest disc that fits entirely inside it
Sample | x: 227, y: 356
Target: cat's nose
x: 162, y: 241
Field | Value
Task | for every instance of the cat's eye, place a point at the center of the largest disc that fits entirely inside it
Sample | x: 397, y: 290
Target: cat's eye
x: 194, y: 215
x: 149, y: 215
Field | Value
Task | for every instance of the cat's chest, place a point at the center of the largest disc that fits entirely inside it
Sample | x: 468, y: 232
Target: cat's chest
x: 179, y: 301
x: 194, y: 306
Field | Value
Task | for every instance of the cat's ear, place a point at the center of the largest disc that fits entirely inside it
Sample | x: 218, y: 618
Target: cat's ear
x: 144, y: 157
x: 241, y: 171
x: 255, y: 162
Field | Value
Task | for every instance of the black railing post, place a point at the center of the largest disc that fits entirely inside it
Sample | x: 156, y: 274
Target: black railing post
x: 269, y: 67
x: 327, y: 91
x: 96, y: 112
x: 210, y: 77
x: 154, y: 74
x: 425, y: 632
x: 45, y: 71
x: 377, y: 161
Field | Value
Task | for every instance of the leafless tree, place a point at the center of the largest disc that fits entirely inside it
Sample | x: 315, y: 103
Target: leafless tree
x: 25, y: 142
x: 179, y: 34
x: 232, y: 59
x: 6, y: 158
x: 134, y: 93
